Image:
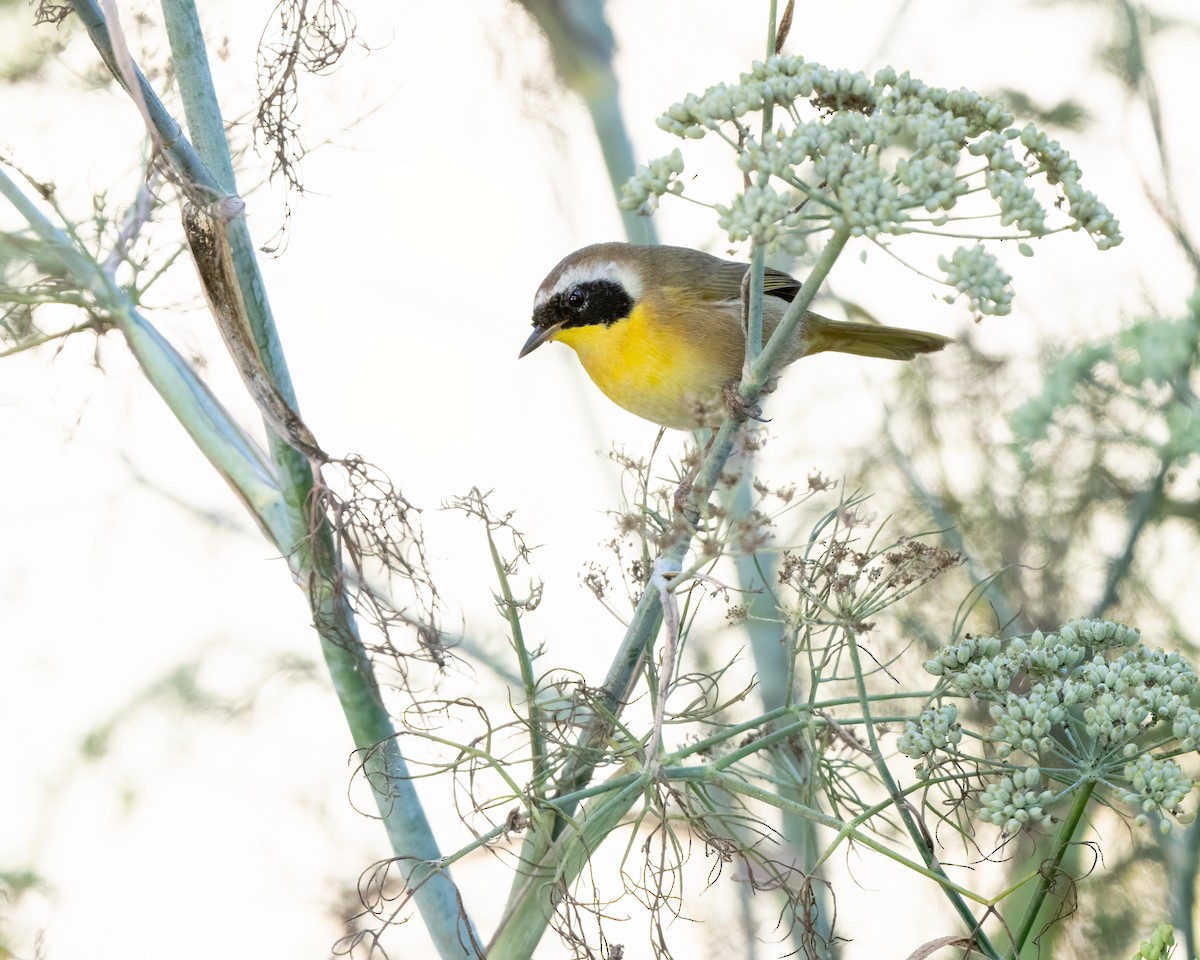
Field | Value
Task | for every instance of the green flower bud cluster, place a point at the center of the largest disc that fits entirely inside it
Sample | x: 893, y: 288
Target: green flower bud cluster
x: 975, y: 272
x: 1024, y: 723
x: 1089, y: 703
x: 1014, y: 801
x: 763, y: 215
x: 988, y: 664
x: 1156, y: 785
x: 651, y: 181
x: 1101, y: 634
x: 1083, y: 207
x: 1159, y: 946
x: 933, y: 730
x: 884, y: 155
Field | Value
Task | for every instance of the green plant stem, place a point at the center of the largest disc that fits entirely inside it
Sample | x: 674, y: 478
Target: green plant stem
x: 195, y: 173
x: 177, y: 148
x: 207, y: 126
x: 754, y: 313
x: 543, y: 888
x: 769, y: 361
x: 1048, y: 871
x: 604, y: 106
x: 950, y: 533
x: 774, y: 666
x: 1145, y: 506
x: 740, y: 787
x: 772, y: 33
x: 537, y: 739
x: 1184, y: 845
x: 952, y: 891
x: 758, y: 254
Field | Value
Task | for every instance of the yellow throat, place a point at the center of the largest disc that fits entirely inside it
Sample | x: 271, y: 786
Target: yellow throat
x: 654, y: 369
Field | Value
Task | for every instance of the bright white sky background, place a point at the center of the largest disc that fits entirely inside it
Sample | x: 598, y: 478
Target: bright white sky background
x: 444, y: 196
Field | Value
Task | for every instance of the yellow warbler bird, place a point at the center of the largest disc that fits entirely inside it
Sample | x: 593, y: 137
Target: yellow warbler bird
x: 659, y: 329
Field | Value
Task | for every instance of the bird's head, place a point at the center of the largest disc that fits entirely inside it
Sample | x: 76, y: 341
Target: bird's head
x: 597, y: 285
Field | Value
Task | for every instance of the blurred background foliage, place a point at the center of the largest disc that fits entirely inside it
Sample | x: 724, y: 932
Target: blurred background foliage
x: 1073, y: 489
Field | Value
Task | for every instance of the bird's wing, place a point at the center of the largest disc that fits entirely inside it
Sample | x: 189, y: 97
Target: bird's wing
x: 724, y: 282
x: 707, y: 277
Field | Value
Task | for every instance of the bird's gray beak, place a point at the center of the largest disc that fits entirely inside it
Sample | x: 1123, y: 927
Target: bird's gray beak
x: 539, y: 336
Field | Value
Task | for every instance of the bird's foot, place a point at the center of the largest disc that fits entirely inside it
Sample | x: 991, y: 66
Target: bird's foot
x: 737, y: 405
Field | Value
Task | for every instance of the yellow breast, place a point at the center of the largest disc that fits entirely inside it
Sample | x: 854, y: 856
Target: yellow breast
x: 668, y: 366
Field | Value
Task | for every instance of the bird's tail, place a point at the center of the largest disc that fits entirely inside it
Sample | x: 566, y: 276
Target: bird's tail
x: 869, y: 339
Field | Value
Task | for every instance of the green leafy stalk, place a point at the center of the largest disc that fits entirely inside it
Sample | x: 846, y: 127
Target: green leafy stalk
x: 1047, y: 872
x: 952, y: 892
x: 537, y: 738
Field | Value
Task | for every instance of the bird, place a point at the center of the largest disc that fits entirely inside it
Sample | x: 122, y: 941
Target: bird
x: 659, y: 328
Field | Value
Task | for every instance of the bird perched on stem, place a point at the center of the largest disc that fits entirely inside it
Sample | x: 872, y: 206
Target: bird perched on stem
x: 659, y: 329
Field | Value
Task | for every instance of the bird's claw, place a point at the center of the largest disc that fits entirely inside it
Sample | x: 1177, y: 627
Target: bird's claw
x: 737, y: 405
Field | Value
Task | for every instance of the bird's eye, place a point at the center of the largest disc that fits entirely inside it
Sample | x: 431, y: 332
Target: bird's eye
x: 576, y: 299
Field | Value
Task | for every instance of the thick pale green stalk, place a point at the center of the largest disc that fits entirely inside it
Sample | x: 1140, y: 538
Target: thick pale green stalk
x: 774, y: 668
x: 222, y: 441
x: 1183, y: 850
x: 437, y: 898
x: 310, y: 552
x: 604, y: 105
x: 207, y: 128
x: 177, y: 148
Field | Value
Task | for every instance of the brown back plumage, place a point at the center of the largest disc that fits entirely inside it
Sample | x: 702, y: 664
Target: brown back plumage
x: 675, y: 269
